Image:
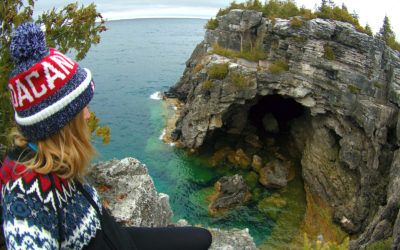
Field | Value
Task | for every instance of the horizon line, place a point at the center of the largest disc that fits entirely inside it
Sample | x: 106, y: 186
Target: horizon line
x: 156, y: 17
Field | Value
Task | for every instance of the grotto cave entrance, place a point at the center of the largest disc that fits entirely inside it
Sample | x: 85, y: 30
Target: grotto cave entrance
x: 257, y: 125
x: 267, y: 157
x: 264, y: 126
x: 282, y: 109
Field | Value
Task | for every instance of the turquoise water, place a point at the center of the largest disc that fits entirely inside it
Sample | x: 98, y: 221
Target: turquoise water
x: 135, y: 59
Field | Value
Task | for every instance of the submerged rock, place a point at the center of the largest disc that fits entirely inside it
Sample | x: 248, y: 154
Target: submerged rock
x: 230, y: 192
x: 272, y: 205
x: 274, y: 175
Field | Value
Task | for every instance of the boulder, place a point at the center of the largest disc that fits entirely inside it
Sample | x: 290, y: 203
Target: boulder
x: 274, y: 175
x: 270, y: 123
x: 128, y: 191
x: 230, y: 192
x: 253, y: 140
x: 257, y: 163
x: 242, y: 159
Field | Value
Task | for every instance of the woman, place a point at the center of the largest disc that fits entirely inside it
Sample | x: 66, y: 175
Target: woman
x: 46, y: 201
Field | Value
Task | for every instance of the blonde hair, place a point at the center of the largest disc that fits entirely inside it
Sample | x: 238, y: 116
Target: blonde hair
x: 66, y: 153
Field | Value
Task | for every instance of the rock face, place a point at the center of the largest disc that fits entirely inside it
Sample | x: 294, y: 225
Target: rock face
x: 230, y: 192
x: 350, y: 127
x: 129, y: 191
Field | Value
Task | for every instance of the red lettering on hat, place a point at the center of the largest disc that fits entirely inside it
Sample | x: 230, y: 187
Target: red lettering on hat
x: 41, y: 80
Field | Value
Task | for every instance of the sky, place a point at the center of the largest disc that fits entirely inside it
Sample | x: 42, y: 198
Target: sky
x: 371, y: 12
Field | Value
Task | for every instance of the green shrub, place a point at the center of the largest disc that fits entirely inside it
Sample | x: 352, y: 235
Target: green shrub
x: 300, y: 39
x: 198, y: 67
x: 382, y: 244
x: 296, y: 23
x: 353, y: 89
x: 207, y: 85
x: 328, y: 53
x: 252, y: 54
x: 212, y: 24
x: 218, y: 49
x: 279, y: 65
x: 393, y: 43
x: 275, y: 44
x: 307, y: 14
x: 378, y: 84
x: 218, y: 71
x: 240, y: 80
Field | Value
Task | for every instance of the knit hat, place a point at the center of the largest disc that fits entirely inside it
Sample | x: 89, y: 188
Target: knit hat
x: 47, y: 88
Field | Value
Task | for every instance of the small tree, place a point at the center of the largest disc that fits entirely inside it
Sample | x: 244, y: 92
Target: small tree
x: 387, y: 34
x: 386, y: 31
x: 72, y: 27
x: 368, y: 29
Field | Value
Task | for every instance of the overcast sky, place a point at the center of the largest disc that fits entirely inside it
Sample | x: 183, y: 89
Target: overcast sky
x: 371, y: 12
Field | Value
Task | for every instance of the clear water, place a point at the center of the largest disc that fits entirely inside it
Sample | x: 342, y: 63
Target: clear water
x: 135, y: 59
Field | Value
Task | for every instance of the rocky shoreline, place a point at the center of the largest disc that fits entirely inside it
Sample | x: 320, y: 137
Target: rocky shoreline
x: 345, y: 85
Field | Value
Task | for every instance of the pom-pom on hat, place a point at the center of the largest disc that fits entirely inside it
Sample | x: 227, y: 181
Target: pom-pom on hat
x: 47, y: 88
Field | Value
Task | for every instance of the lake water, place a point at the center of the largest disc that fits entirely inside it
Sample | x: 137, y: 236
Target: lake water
x: 135, y: 59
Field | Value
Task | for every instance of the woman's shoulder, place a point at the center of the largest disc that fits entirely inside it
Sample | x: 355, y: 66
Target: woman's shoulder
x: 13, y: 173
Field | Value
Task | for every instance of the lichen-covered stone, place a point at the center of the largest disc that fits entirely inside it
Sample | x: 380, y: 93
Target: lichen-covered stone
x: 130, y: 193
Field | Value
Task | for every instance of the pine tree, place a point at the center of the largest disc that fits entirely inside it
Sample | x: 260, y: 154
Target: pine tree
x: 386, y: 32
x: 368, y: 29
x: 324, y: 4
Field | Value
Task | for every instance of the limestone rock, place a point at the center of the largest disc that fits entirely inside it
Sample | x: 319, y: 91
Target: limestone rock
x: 253, y: 140
x: 274, y: 175
x: 242, y: 159
x: 232, y: 239
x: 257, y: 163
x: 230, y: 192
x: 130, y: 194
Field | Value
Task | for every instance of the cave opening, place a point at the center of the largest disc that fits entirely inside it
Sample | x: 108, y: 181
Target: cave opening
x: 282, y: 109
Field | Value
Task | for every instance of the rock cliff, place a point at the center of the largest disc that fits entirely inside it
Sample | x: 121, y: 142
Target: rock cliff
x: 346, y: 86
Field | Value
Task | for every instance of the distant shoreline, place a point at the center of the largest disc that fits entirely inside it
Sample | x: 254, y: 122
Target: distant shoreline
x: 156, y: 17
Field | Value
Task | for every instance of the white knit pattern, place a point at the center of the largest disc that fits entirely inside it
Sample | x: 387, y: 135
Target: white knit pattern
x: 75, y: 241
x: 30, y: 235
